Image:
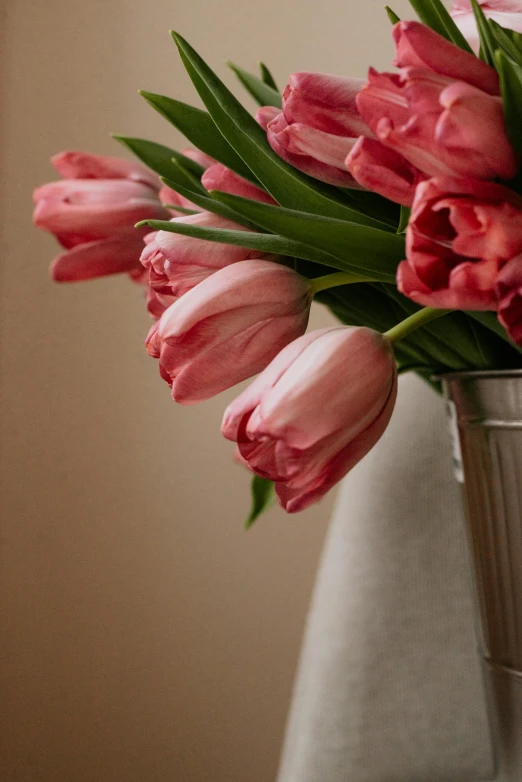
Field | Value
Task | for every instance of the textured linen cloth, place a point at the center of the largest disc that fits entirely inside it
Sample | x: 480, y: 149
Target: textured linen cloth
x: 389, y: 686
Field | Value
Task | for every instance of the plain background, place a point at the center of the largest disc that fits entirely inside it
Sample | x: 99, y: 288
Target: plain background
x: 144, y: 634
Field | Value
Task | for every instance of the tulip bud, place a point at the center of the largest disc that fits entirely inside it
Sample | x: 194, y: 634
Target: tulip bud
x: 229, y: 327
x: 318, y: 125
x: 440, y: 126
x: 92, y: 213
x: 302, y: 428
x: 177, y: 263
x: 315, y: 411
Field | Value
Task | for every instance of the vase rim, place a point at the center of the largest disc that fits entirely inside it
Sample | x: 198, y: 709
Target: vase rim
x: 480, y: 374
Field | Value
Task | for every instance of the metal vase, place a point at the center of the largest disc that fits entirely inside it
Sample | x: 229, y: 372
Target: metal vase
x: 485, y: 416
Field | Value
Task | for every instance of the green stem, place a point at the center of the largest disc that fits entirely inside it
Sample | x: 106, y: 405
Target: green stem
x: 334, y: 280
x: 415, y: 321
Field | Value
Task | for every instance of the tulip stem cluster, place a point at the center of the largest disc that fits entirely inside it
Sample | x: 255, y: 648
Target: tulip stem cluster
x: 414, y: 322
x: 334, y: 280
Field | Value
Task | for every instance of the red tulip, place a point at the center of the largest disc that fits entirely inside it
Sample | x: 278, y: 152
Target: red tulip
x: 318, y: 125
x: 229, y: 327
x: 440, y: 126
x: 315, y: 411
x: 460, y: 235
x: 418, y: 46
x: 93, y: 213
x: 507, y: 13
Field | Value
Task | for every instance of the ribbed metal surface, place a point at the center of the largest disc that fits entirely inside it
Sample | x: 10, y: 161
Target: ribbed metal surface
x: 489, y: 416
x: 486, y: 409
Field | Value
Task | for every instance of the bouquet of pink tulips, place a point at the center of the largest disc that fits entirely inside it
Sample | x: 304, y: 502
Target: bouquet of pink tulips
x: 395, y: 202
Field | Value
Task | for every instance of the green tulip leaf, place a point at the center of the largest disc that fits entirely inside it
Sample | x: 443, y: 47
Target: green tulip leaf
x: 158, y: 157
x: 203, y: 200
x: 263, y: 498
x: 267, y: 77
x: 511, y: 88
x: 392, y: 16
x: 288, y: 186
x: 508, y: 40
x: 368, y: 250
x: 488, y: 42
x: 197, y: 126
x: 263, y: 242
x: 258, y: 89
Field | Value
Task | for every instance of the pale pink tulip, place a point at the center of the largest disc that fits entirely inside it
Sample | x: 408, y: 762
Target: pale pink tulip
x: 94, y: 218
x: 507, y: 13
x: 315, y: 411
x: 318, y: 125
x: 460, y: 235
x: 440, y: 126
x: 383, y: 170
x: 229, y: 327
x: 418, y: 46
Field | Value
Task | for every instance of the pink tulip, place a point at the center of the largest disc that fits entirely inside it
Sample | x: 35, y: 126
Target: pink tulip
x: 460, y: 235
x: 509, y: 291
x: 301, y: 426
x: 440, y: 126
x: 229, y: 327
x: 219, y: 177
x: 383, y: 170
x: 93, y: 213
x: 83, y: 165
x: 507, y: 13
x: 318, y: 125
x: 177, y: 263
x: 417, y: 46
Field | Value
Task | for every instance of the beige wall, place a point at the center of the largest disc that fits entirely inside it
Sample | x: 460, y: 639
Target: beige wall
x: 144, y: 635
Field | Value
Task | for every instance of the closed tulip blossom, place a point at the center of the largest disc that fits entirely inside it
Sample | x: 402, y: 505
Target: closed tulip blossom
x: 318, y: 125
x: 418, y: 46
x: 229, y: 327
x: 507, y: 13
x: 439, y: 125
x: 460, y: 236
x: 93, y: 211
x: 177, y: 263
x: 315, y: 411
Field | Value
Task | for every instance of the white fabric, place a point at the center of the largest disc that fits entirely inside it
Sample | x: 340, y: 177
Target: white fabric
x: 389, y: 687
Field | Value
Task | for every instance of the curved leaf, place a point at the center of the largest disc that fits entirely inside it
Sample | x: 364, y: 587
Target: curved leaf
x: 258, y: 89
x: 198, y: 127
x: 287, y: 185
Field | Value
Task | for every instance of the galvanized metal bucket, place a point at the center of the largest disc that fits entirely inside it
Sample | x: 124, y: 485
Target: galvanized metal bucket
x: 485, y: 417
